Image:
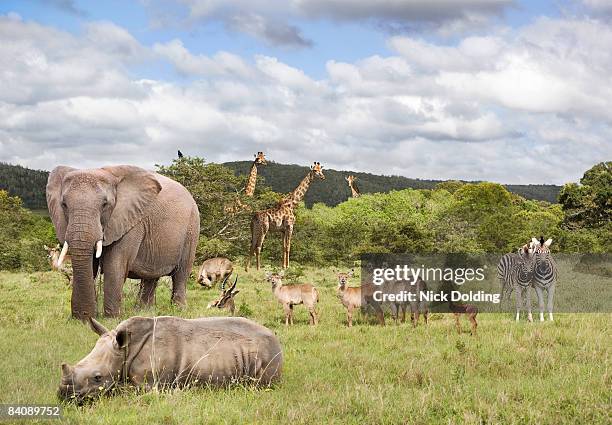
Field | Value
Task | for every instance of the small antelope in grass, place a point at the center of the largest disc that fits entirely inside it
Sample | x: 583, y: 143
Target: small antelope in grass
x: 352, y: 297
x: 64, y: 266
x: 470, y: 311
x: 226, y: 300
x: 416, y: 307
x: 290, y: 295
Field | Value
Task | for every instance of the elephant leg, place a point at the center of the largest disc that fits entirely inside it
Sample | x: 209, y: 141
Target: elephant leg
x: 113, y: 291
x: 179, y: 287
x: 147, y: 291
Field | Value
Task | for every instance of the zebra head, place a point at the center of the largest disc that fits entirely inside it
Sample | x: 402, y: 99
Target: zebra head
x: 541, y: 246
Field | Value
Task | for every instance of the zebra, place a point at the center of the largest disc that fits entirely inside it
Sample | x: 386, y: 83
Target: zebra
x: 544, y: 275
x: 515, y: 270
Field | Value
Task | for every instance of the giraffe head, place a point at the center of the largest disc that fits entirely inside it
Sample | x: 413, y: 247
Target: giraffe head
x: 350, y: 179
x: 260, y: 159
x: 317, y: 169
x: 343, y: 278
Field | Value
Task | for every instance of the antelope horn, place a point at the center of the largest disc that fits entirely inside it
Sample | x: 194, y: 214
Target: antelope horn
x: 233, y: 286
x: 99, y: 248
x: 223, y: 283
x: 62, y: 254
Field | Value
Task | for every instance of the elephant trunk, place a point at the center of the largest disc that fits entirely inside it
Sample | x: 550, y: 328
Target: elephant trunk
x: 82, y: 238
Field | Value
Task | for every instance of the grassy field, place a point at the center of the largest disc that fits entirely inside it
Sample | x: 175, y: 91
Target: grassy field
x: 510, y: 373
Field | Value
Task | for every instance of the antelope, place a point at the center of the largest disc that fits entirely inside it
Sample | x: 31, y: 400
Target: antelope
x: 416, y: 307
x: 226, y: 300
x: 59, y: 260
x: 470, y: 311
x: 290, y: 295
x: 354, y: 297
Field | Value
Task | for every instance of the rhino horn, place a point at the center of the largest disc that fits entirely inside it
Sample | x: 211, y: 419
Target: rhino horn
x: 97, y: 327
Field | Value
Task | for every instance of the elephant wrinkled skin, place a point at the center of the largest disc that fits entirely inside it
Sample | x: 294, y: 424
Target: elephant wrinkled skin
x: 140, y: 224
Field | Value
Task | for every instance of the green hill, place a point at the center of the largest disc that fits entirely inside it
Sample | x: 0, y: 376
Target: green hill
x: 284, y: 178
x: 29, y: 184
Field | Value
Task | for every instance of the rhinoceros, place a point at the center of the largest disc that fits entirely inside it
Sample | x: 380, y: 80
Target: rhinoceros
x: 166, y: 351
x: 213, y: 269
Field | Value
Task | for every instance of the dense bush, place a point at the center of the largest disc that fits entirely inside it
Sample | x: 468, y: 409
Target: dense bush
x: 23, y: 235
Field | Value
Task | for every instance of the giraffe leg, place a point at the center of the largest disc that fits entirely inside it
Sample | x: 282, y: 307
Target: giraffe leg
x: 284, y: 234
x: 288, y: 234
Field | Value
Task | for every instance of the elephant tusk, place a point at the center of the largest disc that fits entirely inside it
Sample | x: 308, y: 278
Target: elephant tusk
x: 60, y: 260
x: 99, y: 248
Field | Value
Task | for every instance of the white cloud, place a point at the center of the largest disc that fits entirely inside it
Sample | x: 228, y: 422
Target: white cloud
x: 530, y: 105
x: 271, y: 20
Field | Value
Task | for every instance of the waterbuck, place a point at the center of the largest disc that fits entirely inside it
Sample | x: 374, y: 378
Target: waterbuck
x: 354, y: 297
x: 290, y: 295
x: 59, y: 260
x: 226, y: 300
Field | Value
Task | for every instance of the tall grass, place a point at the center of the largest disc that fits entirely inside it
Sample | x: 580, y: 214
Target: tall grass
x: 510, y: 373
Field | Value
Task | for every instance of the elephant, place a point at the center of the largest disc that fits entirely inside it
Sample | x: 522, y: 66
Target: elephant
x: 130, y: 222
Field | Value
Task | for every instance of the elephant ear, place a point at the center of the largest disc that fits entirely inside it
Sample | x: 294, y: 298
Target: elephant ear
x: 54, y: 200
x: 136, y: 189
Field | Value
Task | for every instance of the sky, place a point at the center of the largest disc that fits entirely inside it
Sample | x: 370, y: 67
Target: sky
x: 511, y: 91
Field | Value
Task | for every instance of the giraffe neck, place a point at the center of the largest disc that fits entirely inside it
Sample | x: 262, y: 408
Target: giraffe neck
x: 355, y: 193
x: 298, y: 194
x: 250, y: 186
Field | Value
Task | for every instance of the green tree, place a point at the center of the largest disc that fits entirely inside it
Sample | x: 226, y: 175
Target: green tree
x: 224, y: 225
x: 589, y: 204
x: 22, y: 236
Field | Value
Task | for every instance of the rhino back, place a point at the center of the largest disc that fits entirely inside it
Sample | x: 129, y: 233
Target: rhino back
x: 215, y: 350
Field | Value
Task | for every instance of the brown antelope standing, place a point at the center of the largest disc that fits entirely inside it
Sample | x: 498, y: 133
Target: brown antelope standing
x: 354, y: 297
x: 226, y: 299
x: 54, y: 255
x: 353, y: 186
x: 416, y: 307
x: 468, y: 310
x: 280, y: 218
x: 290, y: 295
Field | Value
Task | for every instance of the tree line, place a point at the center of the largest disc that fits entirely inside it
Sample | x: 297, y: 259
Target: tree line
x: 449, y: 217
x: 29, y: 185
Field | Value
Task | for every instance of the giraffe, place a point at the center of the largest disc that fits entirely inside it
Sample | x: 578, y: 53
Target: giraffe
x: 280, y: 218
x: 260, y: 159
x: 249, y: 190
x: 354, y: 189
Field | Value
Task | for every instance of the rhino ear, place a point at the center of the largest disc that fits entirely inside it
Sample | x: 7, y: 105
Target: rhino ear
x: 54, y: 200
x: 66, y: 370
x: 122, y: 339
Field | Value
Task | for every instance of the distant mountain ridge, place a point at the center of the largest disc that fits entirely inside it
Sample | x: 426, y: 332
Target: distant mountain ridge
x: 284, y: 178
x: 30, y: 184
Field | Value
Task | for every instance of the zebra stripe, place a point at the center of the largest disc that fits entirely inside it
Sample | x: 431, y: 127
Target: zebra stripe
x: 504, y: 272
x: 545, y: 270
x: 514, y: 269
